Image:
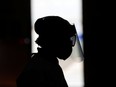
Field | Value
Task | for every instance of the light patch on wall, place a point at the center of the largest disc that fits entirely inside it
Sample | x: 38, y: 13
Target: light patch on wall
x: 70, y: 10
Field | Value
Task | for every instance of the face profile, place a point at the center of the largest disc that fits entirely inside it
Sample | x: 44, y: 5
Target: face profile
x: 56, y: 39
x: 56, y: 35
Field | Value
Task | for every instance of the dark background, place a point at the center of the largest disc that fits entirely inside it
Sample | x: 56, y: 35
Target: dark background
x: 15, y: 38
x: 99, y: 43
x: 15, y: 41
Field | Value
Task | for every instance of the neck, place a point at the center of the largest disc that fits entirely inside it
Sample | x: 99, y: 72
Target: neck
x: 47, y: 55
x: 46, y: 52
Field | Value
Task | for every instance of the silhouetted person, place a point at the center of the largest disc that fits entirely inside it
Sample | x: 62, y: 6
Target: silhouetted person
x: 56, y: 38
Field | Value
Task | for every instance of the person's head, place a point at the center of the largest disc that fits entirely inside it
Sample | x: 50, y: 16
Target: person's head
x: 56, y: 35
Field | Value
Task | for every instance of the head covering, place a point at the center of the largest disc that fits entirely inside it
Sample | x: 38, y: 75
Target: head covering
x: 54, y: 25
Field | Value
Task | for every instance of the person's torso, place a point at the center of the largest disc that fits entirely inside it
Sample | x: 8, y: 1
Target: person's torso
x: 40, y: 72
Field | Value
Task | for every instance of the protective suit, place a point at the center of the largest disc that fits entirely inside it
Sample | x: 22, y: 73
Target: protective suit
x: 42, y: 72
